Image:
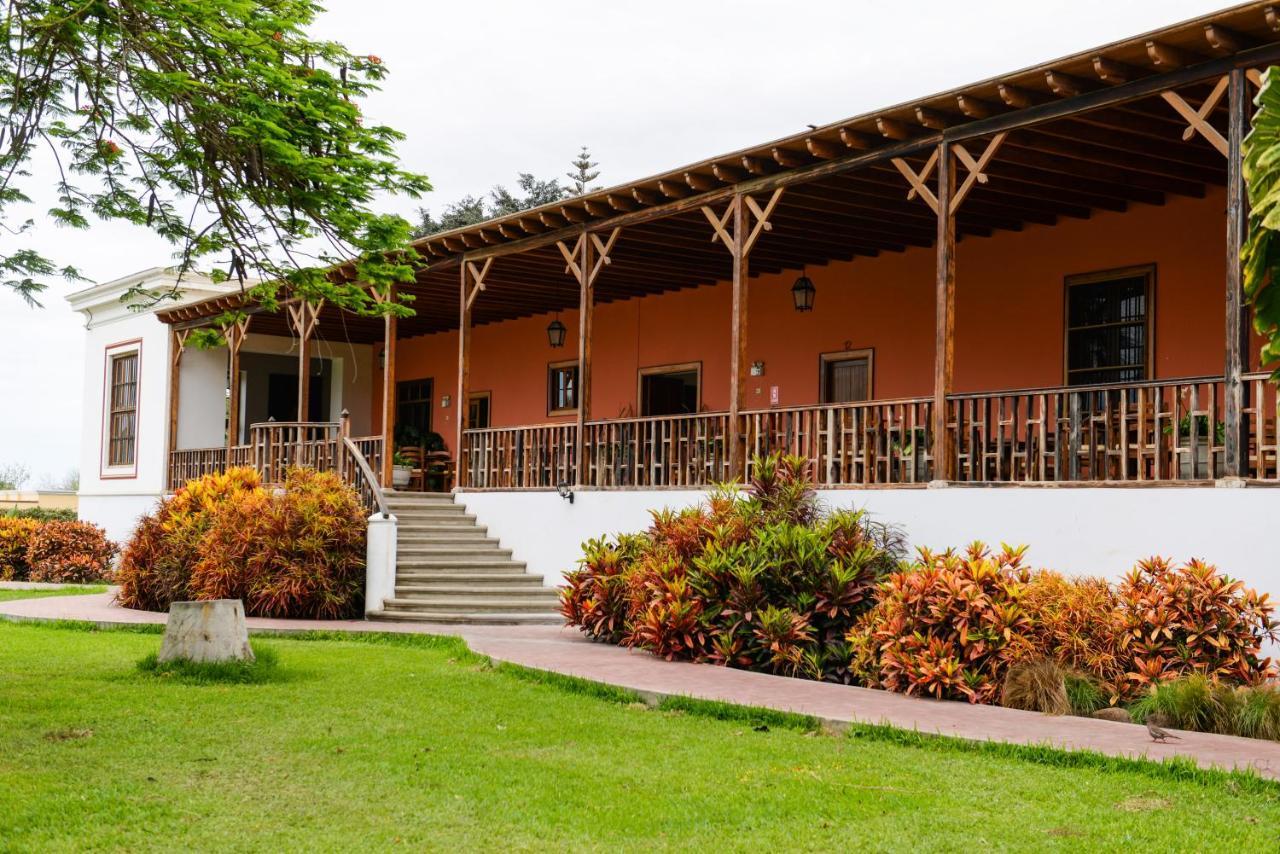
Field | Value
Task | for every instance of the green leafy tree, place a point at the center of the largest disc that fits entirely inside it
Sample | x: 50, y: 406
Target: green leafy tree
x: 470, y: 210
x: 1261, y: 254
x: 219, y: 124
x: 584, y: 172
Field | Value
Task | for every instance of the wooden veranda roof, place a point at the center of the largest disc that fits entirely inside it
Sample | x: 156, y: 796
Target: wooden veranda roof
x: 1132, y: 121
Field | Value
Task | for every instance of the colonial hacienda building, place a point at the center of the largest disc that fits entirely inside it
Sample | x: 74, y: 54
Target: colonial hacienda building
x: 1009, y: 311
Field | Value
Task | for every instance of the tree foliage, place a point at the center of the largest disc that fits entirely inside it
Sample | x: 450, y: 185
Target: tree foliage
x: 1261, y: 254
x: 219, y: 124
x: 531, y: 193
x: 13, y: 475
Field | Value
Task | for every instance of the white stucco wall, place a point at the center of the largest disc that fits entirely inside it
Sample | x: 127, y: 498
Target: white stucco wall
x: 353, y: 374
x: 202, y: 398
x: 1077, y: 531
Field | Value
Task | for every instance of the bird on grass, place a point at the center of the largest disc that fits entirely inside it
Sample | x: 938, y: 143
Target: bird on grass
x: 1157, y: 733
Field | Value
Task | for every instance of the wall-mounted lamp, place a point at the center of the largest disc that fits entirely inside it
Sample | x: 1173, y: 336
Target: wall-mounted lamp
x: 444, y: 401
x: 563, y: 490
x: 555, y: 333
x: 757, y: 369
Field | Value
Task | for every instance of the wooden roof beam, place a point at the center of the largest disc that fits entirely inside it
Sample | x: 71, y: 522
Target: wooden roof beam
x: 787, y: 158
x: 933, y: 119
x: 756, y: 165
x: 727, y: 174
x: 552, y: 220
x: 1067, y: 85
x: 1017, y: 97
x: 596, y: 209
x: 1227, y: 40
x: 700, y: 183
x: 620, y: 203
x: 529, y: 225
x: 856, y: 139
x: 672, y: 190
x: 1272, y: 15
x: 1166, y: 57
x: 893, y: 129
x: 823, y: 149
x: 976, y: 108
x: 1111, y: 71
x: 645, y: 197
x: 572, y: 214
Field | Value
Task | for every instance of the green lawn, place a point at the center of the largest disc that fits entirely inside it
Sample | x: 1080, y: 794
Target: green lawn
x: 8, y: 595
x: 374, y: 745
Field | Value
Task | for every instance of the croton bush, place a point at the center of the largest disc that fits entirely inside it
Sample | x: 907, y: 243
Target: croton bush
x: 765, y: 579
x: 54, y: 550
x: 298, y: 552
x: 762, y: 579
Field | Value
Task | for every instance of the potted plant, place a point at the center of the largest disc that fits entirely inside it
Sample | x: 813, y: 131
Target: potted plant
x: 401, y: 471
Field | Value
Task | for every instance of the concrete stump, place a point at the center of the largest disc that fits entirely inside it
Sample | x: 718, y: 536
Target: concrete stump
x: 206, y: 631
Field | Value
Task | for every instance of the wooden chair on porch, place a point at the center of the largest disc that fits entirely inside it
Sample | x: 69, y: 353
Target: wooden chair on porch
x: 415, y: 457
x: 438, y: 468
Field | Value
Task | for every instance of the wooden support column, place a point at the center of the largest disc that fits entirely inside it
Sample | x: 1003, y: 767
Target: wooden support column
x: 738, y: 337
x: 750, y: 220
x: 586, y: 310
x: 944, y: 326
x: 304, y: 316
x: 390, y: 325
x: 234, y: 334
x: 471, y: 286
x: 584, y: 261
x: 178, y: 338
x: 1236, y: 447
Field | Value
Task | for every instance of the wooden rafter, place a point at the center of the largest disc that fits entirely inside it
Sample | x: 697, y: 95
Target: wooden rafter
x: 1198, y: 119
x: 303, y: 316
x: 976, y: 168
x: 919, y: 180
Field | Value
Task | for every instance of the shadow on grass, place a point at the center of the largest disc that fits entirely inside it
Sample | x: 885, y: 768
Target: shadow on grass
x: 264, y: 668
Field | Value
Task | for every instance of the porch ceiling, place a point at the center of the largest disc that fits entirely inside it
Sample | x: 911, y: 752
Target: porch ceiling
x: 1135, y: 151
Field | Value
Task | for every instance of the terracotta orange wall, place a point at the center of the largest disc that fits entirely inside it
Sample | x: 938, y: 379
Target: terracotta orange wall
x: 1009, y: 320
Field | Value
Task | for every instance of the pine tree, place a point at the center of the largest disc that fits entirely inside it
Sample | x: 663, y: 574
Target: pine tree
x: 582, y: 173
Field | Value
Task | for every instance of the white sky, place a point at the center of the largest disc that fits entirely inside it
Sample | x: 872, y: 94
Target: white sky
x: 486, y: 90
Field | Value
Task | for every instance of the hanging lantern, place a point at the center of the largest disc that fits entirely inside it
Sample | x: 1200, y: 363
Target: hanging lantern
x: 555, y: 333
x: 802, y: 293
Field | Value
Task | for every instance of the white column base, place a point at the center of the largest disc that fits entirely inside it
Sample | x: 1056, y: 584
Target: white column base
x: 380, y: 562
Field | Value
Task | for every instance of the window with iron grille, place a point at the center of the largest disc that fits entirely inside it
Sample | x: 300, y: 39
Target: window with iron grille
x: 1108, y: 335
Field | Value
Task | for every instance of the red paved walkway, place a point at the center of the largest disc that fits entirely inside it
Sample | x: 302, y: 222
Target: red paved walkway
x: 565, y: 651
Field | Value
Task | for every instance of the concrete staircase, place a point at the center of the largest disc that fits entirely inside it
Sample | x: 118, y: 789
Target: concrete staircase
x: 448, y: 569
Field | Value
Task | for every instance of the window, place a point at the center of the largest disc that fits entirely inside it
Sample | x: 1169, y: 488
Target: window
x: 845, y: 377
x: 122, y: 409
x: 670, y: 390
x: 1108, y: 334
x: 562, y: 387
x: 413, y: 407
x: 478, y: 410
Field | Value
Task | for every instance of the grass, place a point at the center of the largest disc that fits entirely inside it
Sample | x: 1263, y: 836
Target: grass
x: 8, y: 595
x: 261, y: 669
x: 386, y: 741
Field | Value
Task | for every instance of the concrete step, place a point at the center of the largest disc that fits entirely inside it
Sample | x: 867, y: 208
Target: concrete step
x: 478, y: 577
x: 412, y: 529
x: 473, y: 548
x: 508, y: 618
x: 412, y: 561
x: 432, y: 518
x: 416, y: 592
x: 473, y: 604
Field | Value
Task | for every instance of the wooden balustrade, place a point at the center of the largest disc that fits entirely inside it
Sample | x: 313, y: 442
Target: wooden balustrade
x: 357, y: 470
x: 873, y: 442
x: 519, y: 457
x: 1261, y: 416
x: 192, y: 463
x: 278, y: 446
x: 675, y: 450
x: 1161, y: 430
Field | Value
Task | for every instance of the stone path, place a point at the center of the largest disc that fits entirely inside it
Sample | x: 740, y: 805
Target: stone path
x: 566, y: 651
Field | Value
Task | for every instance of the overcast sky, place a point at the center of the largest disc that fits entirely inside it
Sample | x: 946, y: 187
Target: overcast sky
x: 486, y: 90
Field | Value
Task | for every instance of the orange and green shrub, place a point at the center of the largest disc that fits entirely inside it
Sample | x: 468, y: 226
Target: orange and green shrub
x: 15, y: 536
x: 294, y: 553
x: 54, y: 550
x: 70, y: 553
x: 764, y: 580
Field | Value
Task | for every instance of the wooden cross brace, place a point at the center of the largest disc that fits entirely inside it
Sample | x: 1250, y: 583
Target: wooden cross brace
x: 180, y: 342
x: 477, y: 279
x: 232, y: 333
x: 1198, y: 119
x: 603, y: 248
x: 720, y: 222
x: 304, y: 316
x: 975, y: 167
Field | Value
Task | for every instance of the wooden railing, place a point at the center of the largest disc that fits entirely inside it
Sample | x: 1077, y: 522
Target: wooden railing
x: 356, y: 471
x: 191, y: 463
x: 850, y: 443
x: 1162, y: 430
x: 1261, y: 423
x: 519, y: 457
x: 678, y: 450
x: 277, y: 446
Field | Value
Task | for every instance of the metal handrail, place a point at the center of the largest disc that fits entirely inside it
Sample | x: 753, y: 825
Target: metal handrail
x: 366, y: 471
